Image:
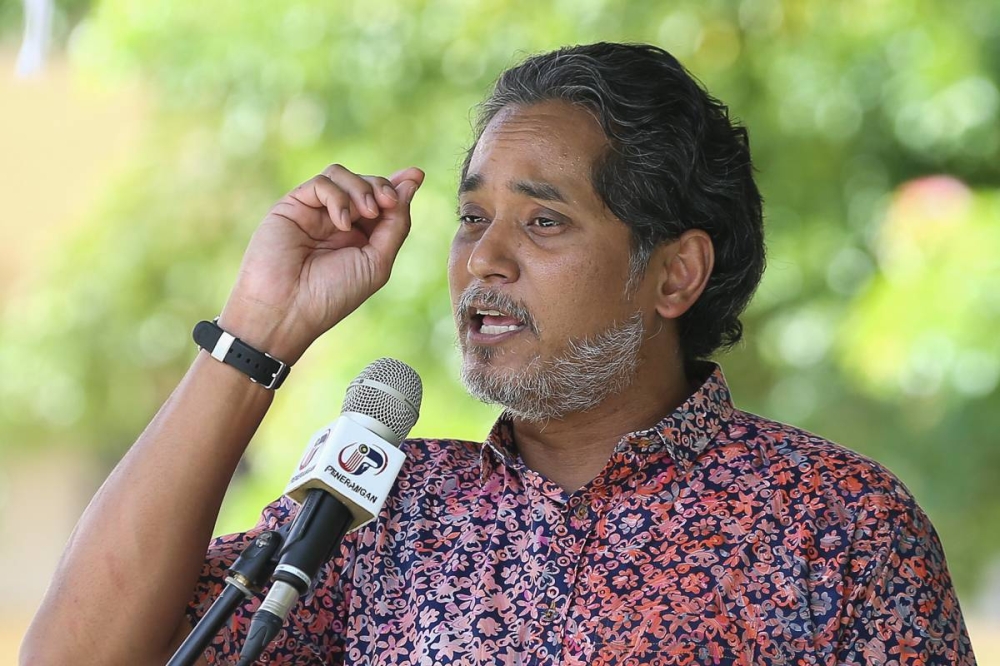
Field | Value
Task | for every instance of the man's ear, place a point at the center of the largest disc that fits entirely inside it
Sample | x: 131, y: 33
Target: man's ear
x: 682, y: 268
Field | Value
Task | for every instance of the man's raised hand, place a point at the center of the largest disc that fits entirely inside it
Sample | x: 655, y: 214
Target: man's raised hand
x: 320, y: 252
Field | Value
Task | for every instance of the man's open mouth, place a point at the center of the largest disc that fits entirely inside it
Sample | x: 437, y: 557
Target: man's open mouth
x: 490, y: 317
x: 494, y: 322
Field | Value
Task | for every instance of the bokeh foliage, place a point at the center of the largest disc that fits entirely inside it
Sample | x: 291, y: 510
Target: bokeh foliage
x: 874, y: 128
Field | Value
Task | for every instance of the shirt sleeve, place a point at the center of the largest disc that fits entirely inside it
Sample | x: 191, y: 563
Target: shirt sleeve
x: 313, y: 635
x: 901, y: 606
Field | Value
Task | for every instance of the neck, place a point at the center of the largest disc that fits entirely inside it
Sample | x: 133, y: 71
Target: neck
x: 571, y: 451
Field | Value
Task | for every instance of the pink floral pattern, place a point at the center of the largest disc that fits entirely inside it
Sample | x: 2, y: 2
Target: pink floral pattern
x: 717, y: 537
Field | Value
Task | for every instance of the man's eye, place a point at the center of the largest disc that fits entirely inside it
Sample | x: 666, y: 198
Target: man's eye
x: 545, y: 222
x: 471, y: 219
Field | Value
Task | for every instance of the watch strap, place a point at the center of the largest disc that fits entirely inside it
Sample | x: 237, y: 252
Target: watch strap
x: 261, y: 367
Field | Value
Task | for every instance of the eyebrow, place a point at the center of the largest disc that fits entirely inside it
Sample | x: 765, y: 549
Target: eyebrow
x: 538, y: 190
x: 470, y: 183
x: 531, y: 188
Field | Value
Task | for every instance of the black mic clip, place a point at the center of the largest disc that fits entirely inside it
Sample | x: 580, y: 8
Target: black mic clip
x: 247, y: 575
x: 315, y: 533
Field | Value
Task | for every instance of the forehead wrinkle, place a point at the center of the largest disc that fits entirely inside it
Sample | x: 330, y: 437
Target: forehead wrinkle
x: 529, y: 131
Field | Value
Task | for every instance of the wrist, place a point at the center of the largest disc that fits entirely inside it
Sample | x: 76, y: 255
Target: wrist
x: 262, y: 332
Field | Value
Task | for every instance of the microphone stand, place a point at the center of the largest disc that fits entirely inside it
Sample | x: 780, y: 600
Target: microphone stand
x: 248, y: 573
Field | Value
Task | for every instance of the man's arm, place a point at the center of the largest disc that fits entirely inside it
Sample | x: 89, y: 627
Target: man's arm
x: 125, y: 579
x: 903, y: 608
x: 127, y: 574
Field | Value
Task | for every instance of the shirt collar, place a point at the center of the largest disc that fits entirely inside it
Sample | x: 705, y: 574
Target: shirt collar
x: 683, y: 434
x: 499, y: 445
x: 686, y: 432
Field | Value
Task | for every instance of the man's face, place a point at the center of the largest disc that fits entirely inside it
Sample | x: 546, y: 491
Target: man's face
x: 539, y: 265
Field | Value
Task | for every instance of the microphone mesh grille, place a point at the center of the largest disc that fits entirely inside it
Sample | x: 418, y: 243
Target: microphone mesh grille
x: 365, y: 395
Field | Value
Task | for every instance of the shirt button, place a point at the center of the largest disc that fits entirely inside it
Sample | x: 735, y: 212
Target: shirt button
x: 581, y: 511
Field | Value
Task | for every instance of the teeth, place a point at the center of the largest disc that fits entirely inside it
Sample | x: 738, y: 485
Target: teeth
x: 495, y: 313
x: 497, y: 330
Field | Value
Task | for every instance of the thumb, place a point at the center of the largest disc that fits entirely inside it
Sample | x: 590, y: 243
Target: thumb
x: 410, y: 173
x: 406, y: 189
x: 388, y: 235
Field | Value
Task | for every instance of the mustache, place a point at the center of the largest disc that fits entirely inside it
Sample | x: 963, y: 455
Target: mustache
x: 477, y: 296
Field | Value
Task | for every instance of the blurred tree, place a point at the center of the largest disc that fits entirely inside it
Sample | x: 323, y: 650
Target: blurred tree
x: 874, y: 325
x: 67, y: 14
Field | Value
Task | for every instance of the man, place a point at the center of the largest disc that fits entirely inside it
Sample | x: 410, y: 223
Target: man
x: 621, y: 511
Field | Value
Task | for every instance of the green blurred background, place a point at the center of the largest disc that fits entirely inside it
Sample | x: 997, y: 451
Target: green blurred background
x: 136, y: 163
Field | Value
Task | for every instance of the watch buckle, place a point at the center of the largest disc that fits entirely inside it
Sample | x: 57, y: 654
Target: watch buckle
x: 282, y: 367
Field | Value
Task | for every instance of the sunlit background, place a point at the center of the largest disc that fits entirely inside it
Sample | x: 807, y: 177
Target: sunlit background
x: 141, y: 143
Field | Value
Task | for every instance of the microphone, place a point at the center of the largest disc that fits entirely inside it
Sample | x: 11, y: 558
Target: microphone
x: 341, y: 483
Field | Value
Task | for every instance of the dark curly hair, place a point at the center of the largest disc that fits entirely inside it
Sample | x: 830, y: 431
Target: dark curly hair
x: 674, y: 161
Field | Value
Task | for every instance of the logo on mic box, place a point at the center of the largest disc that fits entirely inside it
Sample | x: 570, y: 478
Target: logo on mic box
x: 358, y: 458
x: 352, y: 463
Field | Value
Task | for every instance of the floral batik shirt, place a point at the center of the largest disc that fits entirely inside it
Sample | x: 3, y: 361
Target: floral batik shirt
x: 716, y: 537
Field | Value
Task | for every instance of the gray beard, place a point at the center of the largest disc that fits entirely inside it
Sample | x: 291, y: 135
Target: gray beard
x: 581, y: 377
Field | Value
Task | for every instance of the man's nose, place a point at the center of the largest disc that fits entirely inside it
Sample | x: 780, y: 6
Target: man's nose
x: 493, y: 258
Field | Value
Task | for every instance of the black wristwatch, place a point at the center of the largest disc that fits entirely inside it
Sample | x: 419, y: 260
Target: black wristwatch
x: 261, y: 367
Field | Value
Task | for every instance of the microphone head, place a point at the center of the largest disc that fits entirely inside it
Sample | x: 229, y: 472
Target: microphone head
x: 389, y: 392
